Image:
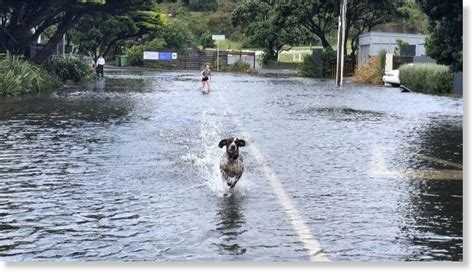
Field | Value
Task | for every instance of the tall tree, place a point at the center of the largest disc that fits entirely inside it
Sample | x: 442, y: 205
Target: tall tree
x: 98, y: 33
x: 265, y: 28
x: 21, y: 22
x: 444, y: 42
x: 321, y: 17
x: 363, y: 15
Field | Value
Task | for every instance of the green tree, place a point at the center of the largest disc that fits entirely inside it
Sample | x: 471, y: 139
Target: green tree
x: 206, y: 40
x: 413, y: 18
x: 202, y: 5
x: 178, y: 36
x: 363, y: 15
x: 98, y: 33
x: 321, y: 17
x: 444, y: 42
x: 21, y: 22
x: 265, y: 28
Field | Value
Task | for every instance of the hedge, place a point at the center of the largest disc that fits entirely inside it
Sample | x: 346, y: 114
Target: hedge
x: 427, y: 78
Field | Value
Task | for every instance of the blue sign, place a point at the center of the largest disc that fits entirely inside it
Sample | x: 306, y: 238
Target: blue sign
x: 165, y: 55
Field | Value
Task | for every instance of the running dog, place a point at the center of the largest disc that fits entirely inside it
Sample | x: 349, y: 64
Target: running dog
x: 231, y: 164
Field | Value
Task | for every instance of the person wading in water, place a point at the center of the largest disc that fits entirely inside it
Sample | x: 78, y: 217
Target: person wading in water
x: 99, y: 68
x: 206, y: 79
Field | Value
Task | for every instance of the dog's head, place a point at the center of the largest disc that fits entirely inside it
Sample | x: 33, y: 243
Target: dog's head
x: 232, y: 146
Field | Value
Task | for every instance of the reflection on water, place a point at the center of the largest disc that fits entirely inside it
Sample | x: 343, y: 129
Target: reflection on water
x: 232, y: 224
x: 434, y: 216
x: 126, y: 168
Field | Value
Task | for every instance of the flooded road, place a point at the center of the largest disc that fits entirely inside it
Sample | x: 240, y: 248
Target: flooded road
x: 126, y: 168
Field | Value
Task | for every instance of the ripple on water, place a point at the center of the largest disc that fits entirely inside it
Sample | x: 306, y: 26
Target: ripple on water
x: 127, y: 169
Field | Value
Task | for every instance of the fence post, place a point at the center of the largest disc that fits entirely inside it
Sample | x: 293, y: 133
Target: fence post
x: 199, y: 53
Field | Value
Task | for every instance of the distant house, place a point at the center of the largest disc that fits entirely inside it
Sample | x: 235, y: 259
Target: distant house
x: 371, y: 43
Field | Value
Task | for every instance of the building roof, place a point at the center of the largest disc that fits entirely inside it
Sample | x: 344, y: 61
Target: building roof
x: 392, y: 34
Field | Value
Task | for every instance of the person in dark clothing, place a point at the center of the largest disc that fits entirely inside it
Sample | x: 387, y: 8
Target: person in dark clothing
x: 206, y: 79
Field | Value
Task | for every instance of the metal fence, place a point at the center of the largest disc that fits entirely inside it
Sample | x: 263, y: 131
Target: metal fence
x: 195, y: 59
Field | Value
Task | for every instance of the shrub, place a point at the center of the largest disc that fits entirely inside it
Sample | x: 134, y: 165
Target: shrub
x: 307, y: 68
x: 68, y: 68
x: 370, y: 72
x: 383, y: 59
x: 427, y: 78
x: 222, y: 66
x: 203, y: 5
x: 329, y: 58
x: 135, y: 53
x: 19, y: 76
x: 240, y: 66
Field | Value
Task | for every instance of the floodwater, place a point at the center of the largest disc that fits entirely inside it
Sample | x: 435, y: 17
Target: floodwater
x: 126, y: 168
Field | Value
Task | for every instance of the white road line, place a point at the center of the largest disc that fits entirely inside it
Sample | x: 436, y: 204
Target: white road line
x: 309, y: 241
x: 311, y: 244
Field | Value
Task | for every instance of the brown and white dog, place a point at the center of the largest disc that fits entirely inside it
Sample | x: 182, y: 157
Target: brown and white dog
x: 231, y: 164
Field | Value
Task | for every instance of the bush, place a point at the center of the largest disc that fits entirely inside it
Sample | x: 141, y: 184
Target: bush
x: 135, y: 53
x: 307, y: 68
x: 68, y: 68
x: 427, y: 78
x: 383, y: 59
x: 370, y: 72
x: 203, y: 5
x: 329, y: 58
x: 240, y: 66
x: 222, y: 66
x: 18, y: 76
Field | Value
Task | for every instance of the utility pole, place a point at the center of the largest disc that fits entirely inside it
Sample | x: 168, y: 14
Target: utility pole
x: 217, y: 55
x: 64, y: 44
x: 340, y: 42
x: 218, y: 37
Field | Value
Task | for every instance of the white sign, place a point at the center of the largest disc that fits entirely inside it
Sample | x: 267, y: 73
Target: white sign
x: 150, y: 55
x: 218, y: 37
x: 174, y: 56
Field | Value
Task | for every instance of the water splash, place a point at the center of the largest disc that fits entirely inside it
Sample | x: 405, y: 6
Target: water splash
x: 206, y: 158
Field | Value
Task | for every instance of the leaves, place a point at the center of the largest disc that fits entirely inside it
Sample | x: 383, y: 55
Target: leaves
x: 98, y: 32
x: 264, y: 26
x: 68, y: 68
x: 444, y: 43
x: 18, y: 76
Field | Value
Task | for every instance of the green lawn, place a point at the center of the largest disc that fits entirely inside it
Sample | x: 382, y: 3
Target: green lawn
x: 293, y: 56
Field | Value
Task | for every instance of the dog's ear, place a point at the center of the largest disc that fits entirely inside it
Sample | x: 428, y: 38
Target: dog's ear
x: 222, y: 143
x: 241, y: 142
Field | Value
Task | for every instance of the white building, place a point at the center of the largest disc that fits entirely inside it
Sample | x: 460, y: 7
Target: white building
x: 371, y: 43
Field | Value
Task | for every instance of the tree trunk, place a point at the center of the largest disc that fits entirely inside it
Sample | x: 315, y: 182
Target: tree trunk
x: 63, y: 27
x: 325, y: 42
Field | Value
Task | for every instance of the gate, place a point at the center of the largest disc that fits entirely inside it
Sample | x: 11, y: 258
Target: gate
x: 195, y: 59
